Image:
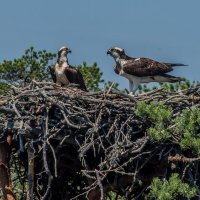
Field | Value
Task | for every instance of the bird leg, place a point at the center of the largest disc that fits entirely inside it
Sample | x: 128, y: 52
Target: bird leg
x: 131, y: 88
x: 133, y: 85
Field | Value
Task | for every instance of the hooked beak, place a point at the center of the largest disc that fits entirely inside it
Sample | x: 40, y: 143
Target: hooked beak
x: 69, y: 51
x: 108, y: 52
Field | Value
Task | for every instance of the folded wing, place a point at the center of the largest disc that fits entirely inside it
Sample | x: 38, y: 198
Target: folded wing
x: 75, y: 76
x: 145, y: 67
x: 52, y: 72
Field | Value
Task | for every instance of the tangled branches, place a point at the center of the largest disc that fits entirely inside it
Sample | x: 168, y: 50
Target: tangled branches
x: 69, y: 144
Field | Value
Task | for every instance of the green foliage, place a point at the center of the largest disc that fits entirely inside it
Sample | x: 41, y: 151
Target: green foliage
x: 157, y: 112
x: 191, y: 143
x: 37, y: 63
x: 92, y: 76
x: 4, y: 88
x: 159, y: 133
x: 168, y: 87
x: 109, y: 84
x: 33, y: 65
x: 188, y: 127
x: 114, y: 196
x: 144, y: 88
x: 172, y: 87
x: 160, y: 115
x: 170, y: 189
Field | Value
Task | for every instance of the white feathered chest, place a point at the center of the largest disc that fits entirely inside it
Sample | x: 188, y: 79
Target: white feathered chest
x: 60, y: 73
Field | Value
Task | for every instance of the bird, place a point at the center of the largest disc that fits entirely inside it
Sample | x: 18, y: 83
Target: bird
x: 142, y: 70
x: 63, y: 73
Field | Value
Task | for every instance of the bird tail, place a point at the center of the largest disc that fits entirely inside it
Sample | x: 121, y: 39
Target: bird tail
x: 175, y: 64
x: 172, y: 79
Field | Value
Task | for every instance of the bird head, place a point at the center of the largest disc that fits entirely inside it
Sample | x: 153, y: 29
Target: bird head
x: 116, y: 52
x: 63, y: 51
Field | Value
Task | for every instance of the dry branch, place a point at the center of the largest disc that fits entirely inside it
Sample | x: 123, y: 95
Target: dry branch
x: 83, y: 145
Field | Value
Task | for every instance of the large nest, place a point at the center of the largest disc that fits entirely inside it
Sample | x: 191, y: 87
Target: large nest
x: 70, y: 144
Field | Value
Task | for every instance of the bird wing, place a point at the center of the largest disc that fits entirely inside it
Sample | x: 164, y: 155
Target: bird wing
x: 75, y: 76
x: 145, y: 67
x: 52, y: 72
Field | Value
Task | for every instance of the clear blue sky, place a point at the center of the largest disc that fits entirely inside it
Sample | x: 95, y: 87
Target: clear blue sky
x: 163, y: 30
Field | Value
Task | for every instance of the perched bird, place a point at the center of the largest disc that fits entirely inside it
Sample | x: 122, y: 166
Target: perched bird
x: 63, y: 73
x: 141, y: 70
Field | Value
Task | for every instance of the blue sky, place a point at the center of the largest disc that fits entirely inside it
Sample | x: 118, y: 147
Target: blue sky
x: 163, y: 30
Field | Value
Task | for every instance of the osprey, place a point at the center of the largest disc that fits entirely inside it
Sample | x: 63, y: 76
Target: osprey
x: 63, y: 73
x: 141, y: 70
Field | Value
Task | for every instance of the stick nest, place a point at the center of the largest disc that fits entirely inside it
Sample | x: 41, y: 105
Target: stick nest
x: 81, y: 144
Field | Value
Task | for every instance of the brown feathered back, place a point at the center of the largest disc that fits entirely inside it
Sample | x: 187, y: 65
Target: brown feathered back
x: 74, y: 76
x: 145, y: 67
